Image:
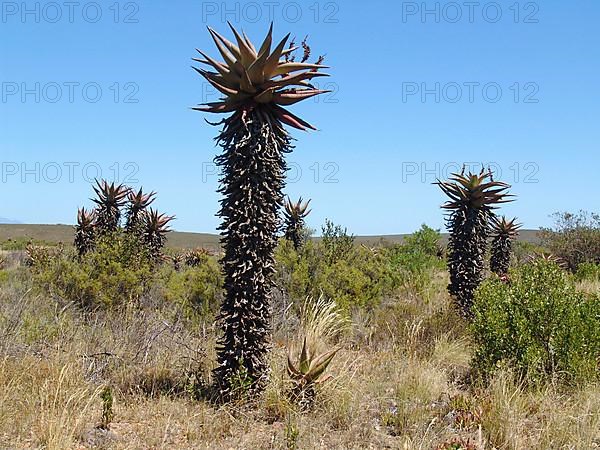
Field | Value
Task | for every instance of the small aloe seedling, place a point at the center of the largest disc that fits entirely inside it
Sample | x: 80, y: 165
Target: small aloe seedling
x: 107, y: 408
x: 309, y: 373
x: 320, y: 320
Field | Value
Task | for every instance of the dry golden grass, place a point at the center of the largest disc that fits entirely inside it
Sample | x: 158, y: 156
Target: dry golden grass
x: 44, y: 402
x: 591, y: 287
x: 400, y: 382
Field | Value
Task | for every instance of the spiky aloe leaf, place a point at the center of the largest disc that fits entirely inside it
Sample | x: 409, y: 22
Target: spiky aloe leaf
x: 320, y: 364
x: 304, y: 366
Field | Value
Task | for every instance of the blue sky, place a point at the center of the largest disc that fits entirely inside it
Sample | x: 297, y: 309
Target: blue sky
x: 419, y: 88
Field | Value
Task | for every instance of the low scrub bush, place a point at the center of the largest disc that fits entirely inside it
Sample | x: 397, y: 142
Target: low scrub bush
x: 197, y: 290
x: 523, y: 251
x: 416, y: 260
x: 575, y: 238
x: 355, y: 275
x: 115, y: 274
x: 537, y: 323
x: 336, y: 242
x: 359, y: 278
x: 20, y: 243
x: 588, y: 272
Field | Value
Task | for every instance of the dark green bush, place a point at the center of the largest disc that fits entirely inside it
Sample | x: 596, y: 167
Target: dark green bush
x: 336, y: 242
x: 425, y: 241
x: 537, y: 323
x: 524, y: 250
x: 115, y: 274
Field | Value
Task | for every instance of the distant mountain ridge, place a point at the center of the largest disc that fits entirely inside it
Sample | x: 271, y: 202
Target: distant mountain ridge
x: 179, y: 239
x: 4, y: 220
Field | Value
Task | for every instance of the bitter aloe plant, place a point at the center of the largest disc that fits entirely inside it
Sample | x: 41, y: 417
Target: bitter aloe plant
x: 110, y: 198
x: 294, y: 215
x: 504, y: 232
x: 473, y: 199
x: 154, y: 227
x: 85, y: 231
x: 321, y: 322
x: 137, y: 204
x: 256, y: 86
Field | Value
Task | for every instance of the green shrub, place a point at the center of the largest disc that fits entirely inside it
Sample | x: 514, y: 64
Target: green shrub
x: 116, y: 273
x: 197, y: 290
x: 588, y: 272
x: 355, y: 277
x: 20, y: 243
x: 360, y: 280
x: 538, y: 323
x: 575, y: 238
x: 416, y: 260
x: 523, y: 251
x: 336, y: 242
x: 425, y: 241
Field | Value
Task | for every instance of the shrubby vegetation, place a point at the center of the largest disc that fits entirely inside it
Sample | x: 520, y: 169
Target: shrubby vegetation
x: 588, y: 272
x: 113, y: 261
x: 115, y: 274
x: 537, y: 323
x: 416, y: 260
x: 20, y: 243
x: 119, y: 272
x: 356, y: 276
x: 400, y: 376
x: 358, y: 279
x: 197, y: 289
x: 575, y: 238
x: 523, y: 251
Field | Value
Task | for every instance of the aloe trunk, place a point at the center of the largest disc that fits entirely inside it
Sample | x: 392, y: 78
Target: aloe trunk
x: 466, y: 256
x: 254, y: 145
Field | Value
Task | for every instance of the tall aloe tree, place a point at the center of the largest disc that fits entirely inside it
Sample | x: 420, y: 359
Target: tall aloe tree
x: 154, y: 227
x: 137, y: 204
x: 85, y: 231
x: 256, y: 85
x: 473, y: 199
x: 504, y: 232
x: 110, y: 198
x: 294, y: 215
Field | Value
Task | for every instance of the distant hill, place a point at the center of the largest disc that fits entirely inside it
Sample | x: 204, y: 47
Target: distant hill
x: 524, y: 235
x: 178, y: 239
x: 5, y: 220
x: 65, y: 234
